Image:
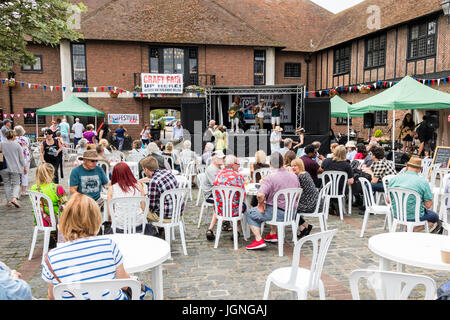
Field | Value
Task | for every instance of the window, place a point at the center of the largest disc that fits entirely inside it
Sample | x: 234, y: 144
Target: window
x: 422, y: 40
x: 381, y: 118
x: 292, y: 70
x: 79, y: 74
x: 32, y: 120
x: 342, y: 60
x: 154, y: 60
x: 35, y: 67
x: 376, y: 51
x: 173, y: 60
x: 260, y: 67
x: 343, y: 121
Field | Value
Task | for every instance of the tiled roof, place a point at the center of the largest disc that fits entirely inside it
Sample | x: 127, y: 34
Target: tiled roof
x: 170, y: 21
x: 353, y: 22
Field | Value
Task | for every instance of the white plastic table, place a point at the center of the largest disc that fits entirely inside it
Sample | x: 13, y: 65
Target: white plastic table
x: 140, y: 253
x: 416, y: 249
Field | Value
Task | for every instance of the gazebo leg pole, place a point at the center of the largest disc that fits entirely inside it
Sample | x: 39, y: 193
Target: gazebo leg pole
x: 95, y: 123
x: 393, y: 137
x: 37, y: 129
x: 348, y: 127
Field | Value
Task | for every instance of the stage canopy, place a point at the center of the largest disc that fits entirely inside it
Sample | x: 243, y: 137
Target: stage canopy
x: 340, y: 108
x: 406, y: 94
x: 71, y: 106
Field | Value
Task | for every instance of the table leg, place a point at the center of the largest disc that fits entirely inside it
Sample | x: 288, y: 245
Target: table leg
x: 385, y: 264
x: 157, y: 282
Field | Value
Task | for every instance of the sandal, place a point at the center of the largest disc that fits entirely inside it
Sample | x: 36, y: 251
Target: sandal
x: 226, y: 226
x: 210, y: 235
x: 17, y: 205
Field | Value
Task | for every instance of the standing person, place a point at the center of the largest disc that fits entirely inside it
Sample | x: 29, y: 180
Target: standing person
x: 15, y: 166
x: 425, y: 136
x: 299, y: 147
x: 24, y: 143
x: 103, y: 132
x: 54, y: 127
x: 84, y: 256
x: 279, y: 179
x: 90, y: 134
x: 77, y: 128
x: 120, y: 135
x: 5, y: 128
x: 177, y: 133
x: 208, y: 136
x: 64, y: 128
x: 276, y: 113
x: 50, y: 151
x: 233, y: 112
x: 145, y: 135
x: 259, y: 116
x: 407, y: 131
x: 275, y: 139
x: 221, y: 138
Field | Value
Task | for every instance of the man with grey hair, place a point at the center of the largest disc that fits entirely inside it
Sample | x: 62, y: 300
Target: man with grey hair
x: 152, y: 151
x: 279, y: 179
x: 287, y: 146
x: 77, y: 128
x: 228, y: 177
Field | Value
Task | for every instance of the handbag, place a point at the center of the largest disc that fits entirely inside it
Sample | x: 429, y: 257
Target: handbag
x: 2, y: 162
x: 32, y: 163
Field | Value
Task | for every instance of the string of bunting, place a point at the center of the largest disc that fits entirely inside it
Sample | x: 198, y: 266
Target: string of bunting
x: 106, y: 89
x: 374, y: 85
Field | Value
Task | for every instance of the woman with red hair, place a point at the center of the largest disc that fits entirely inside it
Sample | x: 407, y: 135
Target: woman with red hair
x: 124, y: 184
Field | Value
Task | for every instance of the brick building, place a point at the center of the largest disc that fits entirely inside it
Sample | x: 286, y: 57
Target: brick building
x: 235, y: 42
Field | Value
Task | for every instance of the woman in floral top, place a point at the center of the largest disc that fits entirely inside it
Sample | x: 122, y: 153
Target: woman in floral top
x: 24, y: 143
x: 44, y: 184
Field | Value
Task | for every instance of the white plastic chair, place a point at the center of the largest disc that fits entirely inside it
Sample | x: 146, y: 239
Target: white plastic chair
x: 444, y: 211
x: 36, y: 198
x: 291, y: 197
x: 226, y: 195
x: 205, y: 192
x: 105, y: 166
x: 390, y: 285
x: 200, y: 169
x: 399, y: 197
x: 135, y: 157
x: 169, y: 161
x: 320, y: 214
x: 444, y: 180
x: 336, y: 178
x: 183, y: 182
x: 95, y: 290
x: 386, y: 180
x: 263, y: 173
x: 371, y: 206
x: 178, y: 197
x: 426, y: 165
x: 188, y: 170
x: 303, y: 280
x: 128, y: 208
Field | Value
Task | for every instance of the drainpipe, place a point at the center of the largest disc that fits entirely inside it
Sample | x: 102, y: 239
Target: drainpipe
x: 308, y: 60
x: 11, y: 75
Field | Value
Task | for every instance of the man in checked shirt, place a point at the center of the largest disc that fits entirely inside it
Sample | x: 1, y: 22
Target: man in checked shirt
x: 380, y: 168
x: 156, y: 182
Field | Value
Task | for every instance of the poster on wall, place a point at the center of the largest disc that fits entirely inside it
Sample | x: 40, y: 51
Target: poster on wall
x: 123, y: 118
x: 161, y: 83
x: 247, y: 101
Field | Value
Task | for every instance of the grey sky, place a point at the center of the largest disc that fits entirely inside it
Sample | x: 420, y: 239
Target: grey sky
x: 336, y: 6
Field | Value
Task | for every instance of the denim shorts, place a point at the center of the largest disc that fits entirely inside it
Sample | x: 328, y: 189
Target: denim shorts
x: 256, y: 218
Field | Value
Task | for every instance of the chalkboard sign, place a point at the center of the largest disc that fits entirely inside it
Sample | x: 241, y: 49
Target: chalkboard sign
x: 442, y: 155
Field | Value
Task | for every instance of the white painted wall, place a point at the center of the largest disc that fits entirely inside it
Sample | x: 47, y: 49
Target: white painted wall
x: 66, y: 68
x: 270, y: 66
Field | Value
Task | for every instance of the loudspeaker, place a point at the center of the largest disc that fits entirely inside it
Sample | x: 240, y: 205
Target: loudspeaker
x: 433, y: 119
x: 369, y: 120
x: 317, y: 119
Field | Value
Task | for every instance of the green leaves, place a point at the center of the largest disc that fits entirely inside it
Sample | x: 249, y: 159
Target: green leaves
x: 36, y: 21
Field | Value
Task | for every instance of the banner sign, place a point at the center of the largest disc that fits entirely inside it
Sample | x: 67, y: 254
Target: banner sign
x: 247, y: 101
x: 123, y: 118
x: 161, y: 83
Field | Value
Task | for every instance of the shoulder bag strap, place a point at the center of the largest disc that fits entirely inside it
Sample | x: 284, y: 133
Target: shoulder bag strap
x: 53, y: 273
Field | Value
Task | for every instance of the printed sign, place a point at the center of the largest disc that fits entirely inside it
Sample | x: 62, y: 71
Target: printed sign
x: 161, y: 83
x: 123, y: 118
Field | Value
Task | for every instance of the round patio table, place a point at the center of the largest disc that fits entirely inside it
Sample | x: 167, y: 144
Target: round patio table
x: 142, y: 252
x: 416, y: 249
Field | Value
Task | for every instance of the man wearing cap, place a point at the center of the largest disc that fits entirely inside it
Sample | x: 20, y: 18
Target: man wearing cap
x: 351, y: 150
x: 259, y: 117
x: 275, y: 139
x: 78, y: 128
x: 5, y: 128
x: 89, y: 178
x: 411, y: 180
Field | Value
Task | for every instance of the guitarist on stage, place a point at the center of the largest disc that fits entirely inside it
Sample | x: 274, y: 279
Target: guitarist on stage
x: 234, y: 116
x: 258, y: 111
x: 407, y: 131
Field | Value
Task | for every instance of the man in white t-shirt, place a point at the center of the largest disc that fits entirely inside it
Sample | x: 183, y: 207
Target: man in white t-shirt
x: 78, y: 128
x: 275, y: 139
x: 259, y: 117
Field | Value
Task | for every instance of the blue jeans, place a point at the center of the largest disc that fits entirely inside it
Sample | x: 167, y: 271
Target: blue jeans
x: 75, y: 141
x: 120, y: 140
x: 377, y: 187
x: 429, y: 216
x: 256, y: 218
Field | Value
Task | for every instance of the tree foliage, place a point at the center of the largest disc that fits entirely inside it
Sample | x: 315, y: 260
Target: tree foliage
x: 34, y: 21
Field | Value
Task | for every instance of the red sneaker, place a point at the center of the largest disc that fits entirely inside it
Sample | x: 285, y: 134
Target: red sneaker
x: 256, y: 245
x: 271, y: 238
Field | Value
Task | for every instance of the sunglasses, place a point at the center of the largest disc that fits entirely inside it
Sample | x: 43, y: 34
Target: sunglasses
x: 93, y: 160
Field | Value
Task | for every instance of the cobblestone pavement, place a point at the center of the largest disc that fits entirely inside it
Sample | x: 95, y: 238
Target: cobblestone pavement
x: 222, y: 273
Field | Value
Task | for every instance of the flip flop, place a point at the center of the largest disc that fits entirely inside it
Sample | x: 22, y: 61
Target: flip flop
x: 16, y: 204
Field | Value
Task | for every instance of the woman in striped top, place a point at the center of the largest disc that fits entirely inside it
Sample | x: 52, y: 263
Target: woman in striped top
x: 84, y: 256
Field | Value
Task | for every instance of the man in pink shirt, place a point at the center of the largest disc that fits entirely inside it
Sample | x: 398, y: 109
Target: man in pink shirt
x: 279, y: 179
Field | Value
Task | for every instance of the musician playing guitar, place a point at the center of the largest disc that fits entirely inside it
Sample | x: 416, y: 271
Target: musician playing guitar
x: 276, y: 109
x: 407, y: 131
x: 258, y: 111
x: 236, y: 113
